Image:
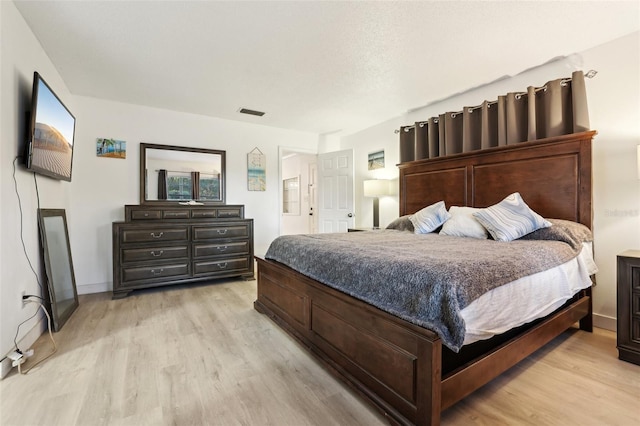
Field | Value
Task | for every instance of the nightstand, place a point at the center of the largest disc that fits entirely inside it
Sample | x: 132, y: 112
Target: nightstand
x: 629, y: 306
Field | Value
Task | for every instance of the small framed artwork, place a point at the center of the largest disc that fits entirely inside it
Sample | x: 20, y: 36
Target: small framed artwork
x: 376, y: 160
x: 111, y: 148
x: 256, y: 171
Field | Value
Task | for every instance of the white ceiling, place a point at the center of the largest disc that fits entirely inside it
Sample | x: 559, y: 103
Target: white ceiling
x: 314, y: 66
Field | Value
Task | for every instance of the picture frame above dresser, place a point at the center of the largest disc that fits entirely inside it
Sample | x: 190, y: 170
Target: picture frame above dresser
x: 186, y: 234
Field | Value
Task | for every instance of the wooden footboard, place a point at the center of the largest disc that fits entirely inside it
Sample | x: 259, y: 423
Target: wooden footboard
x: 394, y: 364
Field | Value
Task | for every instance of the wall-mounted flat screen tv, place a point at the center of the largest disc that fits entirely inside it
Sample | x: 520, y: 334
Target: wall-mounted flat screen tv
x: 49, y: 147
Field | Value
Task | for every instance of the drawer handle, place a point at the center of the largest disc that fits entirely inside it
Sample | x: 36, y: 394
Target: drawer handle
x: 222, y: 265
x: 154, y: 272
x: 153, y: 234
x: 221, y: 248
x: 154, y: 254
x: 222, y: 231
x: 146, y: 215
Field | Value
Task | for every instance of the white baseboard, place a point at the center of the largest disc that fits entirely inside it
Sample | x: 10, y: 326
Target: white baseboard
x: 94, y: 288
x: 603, y: 321
x: 25, y: 343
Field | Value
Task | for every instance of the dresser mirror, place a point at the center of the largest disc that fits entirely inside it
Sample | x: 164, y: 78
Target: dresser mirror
x: 177, y: 174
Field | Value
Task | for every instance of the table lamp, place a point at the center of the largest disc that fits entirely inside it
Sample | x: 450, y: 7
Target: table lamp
x: 376, y: 188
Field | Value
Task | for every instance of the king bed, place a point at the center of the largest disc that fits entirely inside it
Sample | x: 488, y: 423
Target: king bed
x: 414, y: 357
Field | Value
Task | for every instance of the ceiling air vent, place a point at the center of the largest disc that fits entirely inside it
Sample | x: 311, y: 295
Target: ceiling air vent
x: 251, y: 112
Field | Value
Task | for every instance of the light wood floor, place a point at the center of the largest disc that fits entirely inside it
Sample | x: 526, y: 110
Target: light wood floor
x: 201, y: 355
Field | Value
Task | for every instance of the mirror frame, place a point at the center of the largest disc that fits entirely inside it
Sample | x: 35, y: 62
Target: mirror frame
x: 58, y: 317
x: 143, y: 175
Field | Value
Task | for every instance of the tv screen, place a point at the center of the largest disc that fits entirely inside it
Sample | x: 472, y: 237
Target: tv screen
x: 49, y: 148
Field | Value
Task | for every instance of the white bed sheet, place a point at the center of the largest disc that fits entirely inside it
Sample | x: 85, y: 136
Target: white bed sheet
x: 528, y: 298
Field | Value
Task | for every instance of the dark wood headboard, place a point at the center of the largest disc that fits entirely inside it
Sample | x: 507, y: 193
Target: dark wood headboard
x: 553, y: 176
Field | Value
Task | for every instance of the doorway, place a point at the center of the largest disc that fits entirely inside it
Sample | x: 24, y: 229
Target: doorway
x: 298, y: 189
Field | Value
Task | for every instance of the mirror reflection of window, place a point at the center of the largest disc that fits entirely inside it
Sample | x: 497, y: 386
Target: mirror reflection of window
x: 180, y: 176
x: 179, y: 186
x: 209, y: 186
x: 192, y: 186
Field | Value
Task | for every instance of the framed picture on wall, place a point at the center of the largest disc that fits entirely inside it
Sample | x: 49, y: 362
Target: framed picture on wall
x: 376, y: 160
x: 256, y: 171
x: 111, y: 148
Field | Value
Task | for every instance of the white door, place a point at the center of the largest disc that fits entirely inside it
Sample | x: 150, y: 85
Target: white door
x: 335, y: 191
x: 313, y: 191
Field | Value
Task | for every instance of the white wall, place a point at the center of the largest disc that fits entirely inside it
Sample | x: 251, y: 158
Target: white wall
x: 101, y: 187
x: 21, y: 55
x: 614, y: 107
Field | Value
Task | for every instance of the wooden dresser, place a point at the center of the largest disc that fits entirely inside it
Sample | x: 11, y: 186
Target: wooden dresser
x: 161, y: 245
x: 629, y: 306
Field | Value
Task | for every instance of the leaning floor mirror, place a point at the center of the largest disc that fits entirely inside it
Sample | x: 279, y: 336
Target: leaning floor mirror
x: 62, y: 296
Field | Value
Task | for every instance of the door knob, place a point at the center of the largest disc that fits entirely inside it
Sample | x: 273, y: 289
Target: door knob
x: 349, y: 214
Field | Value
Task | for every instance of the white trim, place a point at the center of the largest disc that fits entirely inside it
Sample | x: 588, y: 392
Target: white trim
x: 603, y: 321
x: 94, y: 288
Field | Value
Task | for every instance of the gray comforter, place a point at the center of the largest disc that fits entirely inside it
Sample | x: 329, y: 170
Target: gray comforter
x: 425, y: 279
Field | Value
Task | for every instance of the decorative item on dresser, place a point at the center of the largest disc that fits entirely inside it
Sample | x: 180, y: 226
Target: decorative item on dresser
x: 629, y: 306
x: 165, y: 245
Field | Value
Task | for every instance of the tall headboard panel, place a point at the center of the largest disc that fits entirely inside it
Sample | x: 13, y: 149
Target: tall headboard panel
x: 553, y: 176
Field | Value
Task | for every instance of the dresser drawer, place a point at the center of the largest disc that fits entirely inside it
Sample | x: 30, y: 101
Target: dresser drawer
x: 223, y: 265
x: 154, y: 253
x: 220, y: 231
x: 228, y: 212
x: 156, y: 272
x: 176, y: 214
x: 204, y: 214
x: 178, y: 233
x: 146, y: 214
x: 219, y: 249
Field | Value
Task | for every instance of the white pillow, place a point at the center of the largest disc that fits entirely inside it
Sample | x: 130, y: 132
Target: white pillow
x: 463, y: 224
x: 510, y: 219
x: 429, y: 218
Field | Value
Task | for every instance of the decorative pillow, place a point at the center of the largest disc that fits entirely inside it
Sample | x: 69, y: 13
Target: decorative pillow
x: 510, y: 219
x: 429, y: 218
x: 463, y: 224
x: 401, y: 224
x: 573, y: 230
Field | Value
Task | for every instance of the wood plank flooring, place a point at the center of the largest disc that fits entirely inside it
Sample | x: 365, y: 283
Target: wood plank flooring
x: 196, y: 355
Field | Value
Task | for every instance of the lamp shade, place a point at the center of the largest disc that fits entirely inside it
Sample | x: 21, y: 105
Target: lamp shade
x: 376, y: 188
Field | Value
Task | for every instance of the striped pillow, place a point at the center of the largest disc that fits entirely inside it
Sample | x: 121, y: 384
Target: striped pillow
x: 463, y: 224
x: 510, y: 219
x: 429, y: 218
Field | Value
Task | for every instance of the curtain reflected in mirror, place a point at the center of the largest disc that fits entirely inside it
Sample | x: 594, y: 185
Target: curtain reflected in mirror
x: 61, y: 284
